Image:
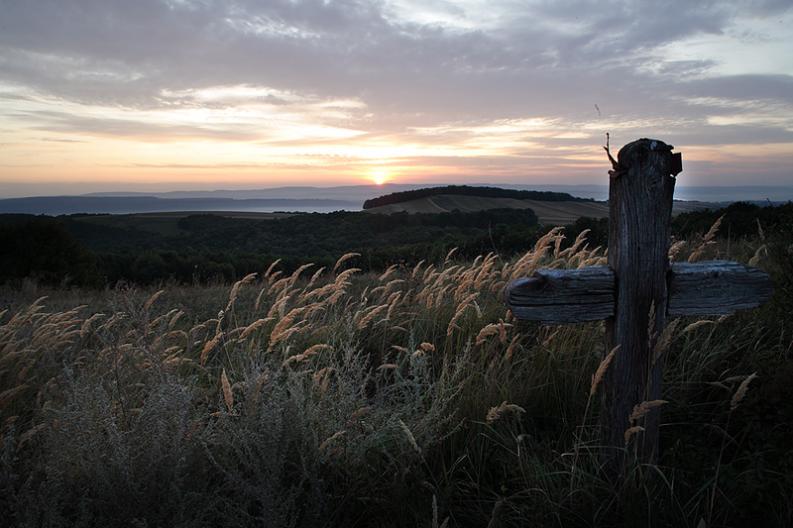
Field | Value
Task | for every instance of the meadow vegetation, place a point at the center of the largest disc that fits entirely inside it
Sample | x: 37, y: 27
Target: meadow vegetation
x: 411, y: 397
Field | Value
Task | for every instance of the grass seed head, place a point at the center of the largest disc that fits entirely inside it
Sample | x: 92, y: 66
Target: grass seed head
x: 344, y: 258
x: 228, y: 395
x: 630, y: 431
x: 641, y: 410
x: 597, y: 377
x: 740, y: 393
x: 504, y: 409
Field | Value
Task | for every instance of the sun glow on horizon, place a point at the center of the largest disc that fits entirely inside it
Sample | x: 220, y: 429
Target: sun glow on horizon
x: 379, y: 176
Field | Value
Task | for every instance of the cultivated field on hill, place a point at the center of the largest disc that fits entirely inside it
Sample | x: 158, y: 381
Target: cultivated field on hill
x: 332, y: 397
x: 548, y: 212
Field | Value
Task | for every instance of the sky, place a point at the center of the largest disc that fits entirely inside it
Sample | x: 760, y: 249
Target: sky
x: 106, y: 95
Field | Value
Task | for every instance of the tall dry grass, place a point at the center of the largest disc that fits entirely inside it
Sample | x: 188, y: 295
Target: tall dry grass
x: 335, y: 398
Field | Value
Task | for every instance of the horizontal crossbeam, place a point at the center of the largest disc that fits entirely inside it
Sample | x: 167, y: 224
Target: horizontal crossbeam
x: 556, y: 296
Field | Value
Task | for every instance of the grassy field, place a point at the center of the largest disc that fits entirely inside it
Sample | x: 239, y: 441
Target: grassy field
x: 548, y: 212
x: 329, y: 397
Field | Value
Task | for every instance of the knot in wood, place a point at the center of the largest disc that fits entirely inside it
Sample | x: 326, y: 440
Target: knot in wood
x: 536, y: 282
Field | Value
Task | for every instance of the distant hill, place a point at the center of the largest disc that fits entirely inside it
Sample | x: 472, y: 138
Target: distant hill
x: 60, y: 205
x: 555, y: 211
x: 467, y: 190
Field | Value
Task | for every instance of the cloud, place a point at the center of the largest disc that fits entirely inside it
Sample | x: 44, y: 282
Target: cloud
x: 401, y: 79
x: 742, y: 87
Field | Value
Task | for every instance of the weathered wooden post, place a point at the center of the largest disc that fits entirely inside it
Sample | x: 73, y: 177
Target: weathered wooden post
x: 640, y: 216
x: 637, y: 291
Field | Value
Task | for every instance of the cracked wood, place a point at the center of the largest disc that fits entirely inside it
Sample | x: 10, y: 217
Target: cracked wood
x: 557, y: 296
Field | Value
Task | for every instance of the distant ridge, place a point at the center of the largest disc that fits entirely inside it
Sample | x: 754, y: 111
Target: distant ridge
x: 552, y: 208
x: 60, y: 205
x: 362, y: 192
x: 467, y: 190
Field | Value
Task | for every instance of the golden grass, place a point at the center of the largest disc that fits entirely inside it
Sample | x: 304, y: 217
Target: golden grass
x: 504, y: 409
x: 300, y: 324
x: 597, y: 377
x: 708, y: 240
x: 228, y: 395
x: 740, y: 392
x: 640, y: 410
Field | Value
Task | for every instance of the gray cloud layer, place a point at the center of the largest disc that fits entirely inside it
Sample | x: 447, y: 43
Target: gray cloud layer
x: 549, y: 58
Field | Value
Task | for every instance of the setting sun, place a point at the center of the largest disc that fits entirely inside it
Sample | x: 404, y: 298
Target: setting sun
x: 379, y: 176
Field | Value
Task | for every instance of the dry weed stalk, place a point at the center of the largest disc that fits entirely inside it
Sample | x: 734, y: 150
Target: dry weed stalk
x: 630, y: 431
x: 578, y: 244
x: 228, y: 395
x: 151, y: 300
x: 492, y: 329
x: 254, y: 326
x: 367, y: 316
x: 758, y: 254
x: 270, y: 269
x: 597, y: 377
x: 675, y: 248
x: 665, y: 340
x: 486, y: 331
x: 449, y: 255
x: 390, y: 270
x: 310, y: 352
x: 335, y: 436
x: 760, y: 232
x: 321, y: 378
x: 511, y: 348
x: 409, y: 435
x: 286, y: 322
x: 640, y: 410
x: 505, y: 408
x: 235, y: 289
x: 360, y: 413
x: 427, y: 347
x: 299, y: 271
x: 740, y: 393
x: 416, y: 269
x: 344, y: 258
x: 697, y: 324
x: 459, y: 313
x: 707, y: 241
x: 86, y: 326
x: 314, y: 278
x: 209, y: 346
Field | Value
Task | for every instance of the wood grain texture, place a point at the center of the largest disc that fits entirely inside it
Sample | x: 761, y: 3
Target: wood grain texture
x: 640, y: 213
x: 555, y: 296
x: 716, y: 288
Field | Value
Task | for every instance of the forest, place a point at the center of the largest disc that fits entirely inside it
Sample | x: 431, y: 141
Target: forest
x: 103, y: 250
x: 100, y: 250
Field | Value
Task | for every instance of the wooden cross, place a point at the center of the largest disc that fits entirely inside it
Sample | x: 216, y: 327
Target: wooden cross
x: 638, y: 283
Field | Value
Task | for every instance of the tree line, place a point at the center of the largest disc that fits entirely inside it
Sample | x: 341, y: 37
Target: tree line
x: 69, y: 251
x: 467, y: 190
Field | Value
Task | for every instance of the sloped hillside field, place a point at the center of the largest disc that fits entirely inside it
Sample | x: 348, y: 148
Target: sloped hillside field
x: 333, y: 397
